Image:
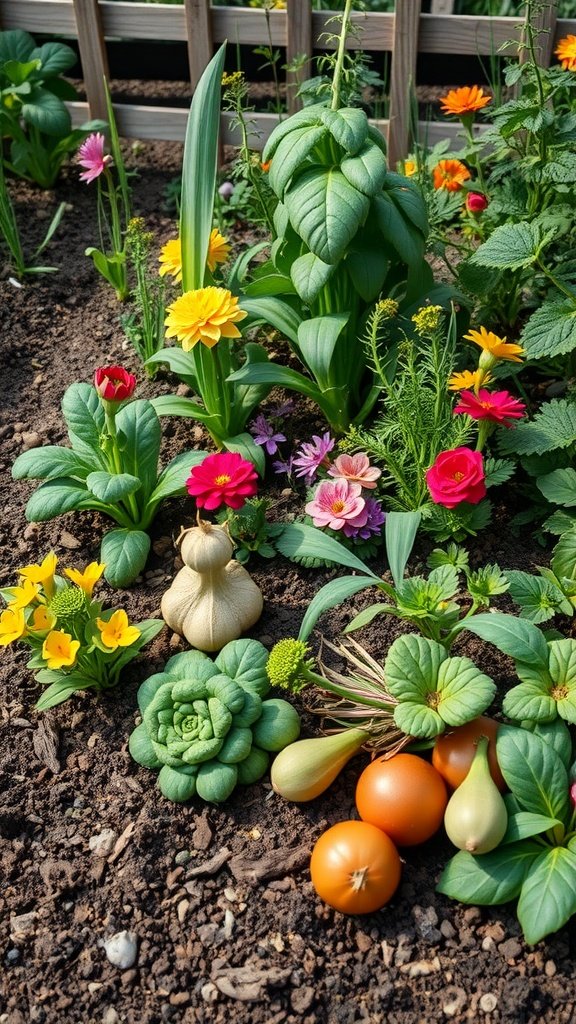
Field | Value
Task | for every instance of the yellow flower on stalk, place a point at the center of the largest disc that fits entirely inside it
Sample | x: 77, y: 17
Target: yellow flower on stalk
x: 468, y: 380
x: 42, y: 574
x: 43, y: 620
x: 171, y: 255
x: 59, y: 650
x: 494, y: 347
x: 410, y: 168
x: 387, y: 308
x: 88, y: 579
x: 566, y: 52
x: 12, y: 626
x: 218, y: 250
x: 427, y: 320
x: 21, y: 597
x: 205, y: 315
x: 117, y: 632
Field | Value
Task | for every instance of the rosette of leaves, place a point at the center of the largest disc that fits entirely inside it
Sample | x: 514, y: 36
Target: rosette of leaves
x: 536, y: 859
x: 206, y: 725
x: 346, y: 231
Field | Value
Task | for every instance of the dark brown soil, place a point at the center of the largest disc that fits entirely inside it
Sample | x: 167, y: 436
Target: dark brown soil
x: 227, y: 924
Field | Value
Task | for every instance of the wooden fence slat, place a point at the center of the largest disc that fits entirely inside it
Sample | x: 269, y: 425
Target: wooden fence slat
x: 199, y: 33
x: 402, y: 76
x: 442, y: 7
x: 93, y: 55
x: 298, y: 41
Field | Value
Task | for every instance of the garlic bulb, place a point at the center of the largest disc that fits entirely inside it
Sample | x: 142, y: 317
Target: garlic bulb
x: 213, y: 599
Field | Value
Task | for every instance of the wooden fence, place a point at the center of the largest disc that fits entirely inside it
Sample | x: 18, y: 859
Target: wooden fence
x: 403, y: 35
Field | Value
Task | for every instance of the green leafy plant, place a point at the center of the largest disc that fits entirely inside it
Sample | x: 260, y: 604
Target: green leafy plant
x: 76, y: 643
x: 144, y: 325
x: 250, y: 530
x: 206, y: 725
x: 10, y: 233
x: 33, y: 115
x: 111, y: 466
x: 536, y: 860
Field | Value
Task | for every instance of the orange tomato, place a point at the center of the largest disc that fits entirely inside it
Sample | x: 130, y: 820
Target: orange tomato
x: 454, y: 751
x: 404, y: 796
x: 355, y: 867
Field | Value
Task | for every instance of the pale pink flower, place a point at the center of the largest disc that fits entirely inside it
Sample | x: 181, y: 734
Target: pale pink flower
x: 335, y: 504
x: 356, y: 469
x: 91, y: 156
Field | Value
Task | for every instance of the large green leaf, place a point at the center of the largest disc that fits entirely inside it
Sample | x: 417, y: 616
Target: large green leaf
x: 245, y: 446
x: 531, y: 700
x: 139, y: 436
x: 349, y: 126
x: 326, y: 211
x: 490, y: 878
x: 84, y: 415
x: 524, y: 824
x: 199, y: 172
x: 55, y: 58
x: 509, y: 247
x: 562, y: 667
x: 564, y: 556
x: 548, y: 897
x: 178, y: 784
x: 303, y: 541
x: 181, y: 363
x: 399, y: 233
x: 366, y: 170
x: 533, y: 771
x: 175, y: 405
x: 16, y: 44
x: 400, y: 533
x: 273, y: 311
x: 124, y: 552
x: 407, y: 196
x: 368, y: 267
x: 292, y: 154
x: 330, y: 595
x: 317, y: 340
x: 539, y: 598
x: 245, y: 661
x: 552, y: 428
x: 309, y: 274
x: 551, y: 330
x: 52, y: 461
x: 172, y: 480
x: 273, y: 374
x: 559, y: 487
x: 112, y: 487
x: 519, y: 639
x: 55, y: 498
x: 59, y: 691
x: 302, y: 118
x: 44, y: 111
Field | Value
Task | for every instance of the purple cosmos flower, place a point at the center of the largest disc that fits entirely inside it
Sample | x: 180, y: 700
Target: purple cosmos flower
x: 283, y: 467
x: 263, y: 433
x: 91, y: 156
x: 373, y: 525
x: 313, y: 454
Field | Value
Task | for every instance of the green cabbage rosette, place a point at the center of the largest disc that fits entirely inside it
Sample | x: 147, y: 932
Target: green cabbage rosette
x: 205, y: 724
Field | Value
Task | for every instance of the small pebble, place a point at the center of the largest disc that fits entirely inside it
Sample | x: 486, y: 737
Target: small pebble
x: 121, y: 949
x: 488, y: 1002
x: 110, y: 1016
x: 103, y: 843
x: 30, y: 439
x: 182, y: 857
x: 454, y: 1001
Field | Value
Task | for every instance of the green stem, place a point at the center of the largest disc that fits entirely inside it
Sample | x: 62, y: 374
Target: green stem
x: 557, y: 284
x: 340, y: 58
x: 130, y: 500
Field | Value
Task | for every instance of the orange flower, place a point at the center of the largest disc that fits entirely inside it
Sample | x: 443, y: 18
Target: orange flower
x: 466, y: 100
x: 566, y: 53
x: 450, y: 175
x: 266, y: 166
x: 494, y: 348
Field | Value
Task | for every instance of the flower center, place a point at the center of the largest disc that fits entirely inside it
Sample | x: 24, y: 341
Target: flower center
x: 337, y: 506
x: 222, y: 479
x: 458, y: 476
x: 486, y: 405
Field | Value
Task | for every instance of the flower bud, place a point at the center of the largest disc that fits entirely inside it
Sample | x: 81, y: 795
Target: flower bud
x: 573, y: 794
x: 476, y: 202
x: 114, y: 383
x: 226, y: 189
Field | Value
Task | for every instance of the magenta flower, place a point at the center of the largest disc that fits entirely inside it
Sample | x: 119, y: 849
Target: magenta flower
x: 264, y: 435
x: 496, y: 406
x: 313, y: 454
x: 222, y: 479
x: 91, y: 156
x: 336, y: 504
x: 356, y: 469
x: 376, y: 518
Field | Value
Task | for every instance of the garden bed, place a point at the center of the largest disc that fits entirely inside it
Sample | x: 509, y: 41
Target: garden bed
x: 227, y: 923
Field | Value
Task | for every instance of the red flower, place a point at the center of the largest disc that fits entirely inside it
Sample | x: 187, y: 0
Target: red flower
x: 222, y: 479
x: 476, y: 202
x: 457, y: 476
x: 114, y: 383
x: 496, y: 406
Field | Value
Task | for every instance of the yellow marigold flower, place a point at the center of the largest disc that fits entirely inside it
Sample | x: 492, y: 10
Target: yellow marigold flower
x: 566, y: 52
x: 387, y: 308
x: 410, y: 168
x: 427, y: 320
x: 59, y: 650
x: 206, y: 315
x: 494, y: 347
x: 88, y: 579
x: 171, y: 259
x: 466, y: 100
x: 468, y: 380
x: 21, y: 597
x: 450, y: 175
x: 12, y: 626
x: 42, y: 574
x: 43, y: 620
x: 218, y: 250
x: 117, y: 632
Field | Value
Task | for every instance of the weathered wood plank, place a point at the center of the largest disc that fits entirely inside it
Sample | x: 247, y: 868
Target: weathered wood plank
x: 298, y: 42
x: 402, y: 77
x: 442, y: 7
x: 93, y: 55
x: 199, y: 37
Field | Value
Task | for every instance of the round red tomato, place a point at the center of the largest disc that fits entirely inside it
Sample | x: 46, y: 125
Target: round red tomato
x: 454, y: 751
x: 355, y: 867
x: 404, y: 796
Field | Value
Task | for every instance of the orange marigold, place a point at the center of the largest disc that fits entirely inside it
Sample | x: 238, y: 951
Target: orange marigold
x: 450, y: 175
x: 566, y: 52
x: 466, y: 100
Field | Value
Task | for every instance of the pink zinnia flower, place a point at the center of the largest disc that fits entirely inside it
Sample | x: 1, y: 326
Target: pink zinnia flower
x: 222, y: 479
x: 335, y: 504
x: 313, y: 454
x: 91, y: 156
x: 496, y: 406
x: 356, y: 469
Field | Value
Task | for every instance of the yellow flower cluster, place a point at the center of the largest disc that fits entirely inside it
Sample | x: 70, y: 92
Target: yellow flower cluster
x: 427, y: 320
